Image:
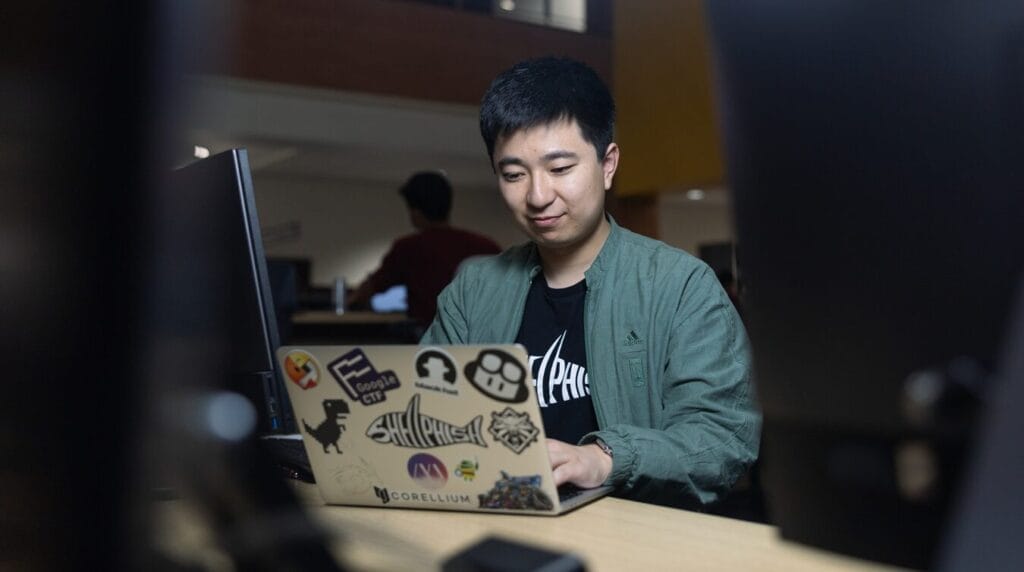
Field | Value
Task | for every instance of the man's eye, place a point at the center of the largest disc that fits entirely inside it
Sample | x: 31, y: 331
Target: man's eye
x: 511, y: 177
x: 562, y: 169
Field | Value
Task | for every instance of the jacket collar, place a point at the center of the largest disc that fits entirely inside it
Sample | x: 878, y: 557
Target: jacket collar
x: 609, y: 249
x: 596, y: 271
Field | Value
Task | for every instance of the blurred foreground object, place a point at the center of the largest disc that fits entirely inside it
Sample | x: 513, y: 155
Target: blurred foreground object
x: 104, y: 329
x: 874, y: 153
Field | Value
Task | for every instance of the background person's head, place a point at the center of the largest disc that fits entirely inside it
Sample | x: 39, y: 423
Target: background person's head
x: 428, y: 194
x: 544, y: 91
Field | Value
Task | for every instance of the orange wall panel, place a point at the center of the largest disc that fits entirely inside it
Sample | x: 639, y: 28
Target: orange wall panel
x: 666, y: 124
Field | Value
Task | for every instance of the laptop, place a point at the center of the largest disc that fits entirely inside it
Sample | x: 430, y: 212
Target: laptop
x: 435, y: 427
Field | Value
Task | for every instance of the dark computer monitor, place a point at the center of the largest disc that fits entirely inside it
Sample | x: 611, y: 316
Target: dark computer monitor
x: 874, y: 152
x: 225, y: 183
x: 111, y: 299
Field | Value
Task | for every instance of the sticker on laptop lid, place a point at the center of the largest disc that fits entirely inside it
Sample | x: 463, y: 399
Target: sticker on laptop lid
x: 330, y: 430
x: 513, y: 429
x: 467, y: 469
x: 412, y: 429
x: 498, y: 375
x: 427, y: 471
x: 516, y: 493
x: 356, y: 479
x: 302, y: 369
x: 360, y: 379
x: 436, y: 371
x: 386, y: 495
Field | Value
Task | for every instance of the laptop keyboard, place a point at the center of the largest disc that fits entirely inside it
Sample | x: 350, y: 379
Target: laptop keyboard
x: 568, y: 491
x: 289, y: 455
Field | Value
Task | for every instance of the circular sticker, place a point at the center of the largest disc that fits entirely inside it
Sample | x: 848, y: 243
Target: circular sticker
x: 302, y: 369
x: 427, y: 470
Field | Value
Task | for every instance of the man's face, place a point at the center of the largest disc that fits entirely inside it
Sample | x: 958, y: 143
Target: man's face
x: 554, y: 183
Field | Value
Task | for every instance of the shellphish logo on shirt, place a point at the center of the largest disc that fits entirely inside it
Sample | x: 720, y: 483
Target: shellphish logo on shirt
x: 410, y: 428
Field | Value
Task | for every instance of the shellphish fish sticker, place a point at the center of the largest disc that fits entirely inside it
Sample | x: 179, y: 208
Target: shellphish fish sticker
x: 410, y: 428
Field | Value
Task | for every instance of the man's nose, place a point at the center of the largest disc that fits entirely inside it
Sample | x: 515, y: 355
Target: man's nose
x: 541, y: 192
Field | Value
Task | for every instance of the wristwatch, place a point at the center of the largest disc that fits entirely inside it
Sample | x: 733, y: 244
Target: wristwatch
x: 604, y: 447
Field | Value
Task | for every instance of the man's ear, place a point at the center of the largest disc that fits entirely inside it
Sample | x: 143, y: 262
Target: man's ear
x: 609, y: 164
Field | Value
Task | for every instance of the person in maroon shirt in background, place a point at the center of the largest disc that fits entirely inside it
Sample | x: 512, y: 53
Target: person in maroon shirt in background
x: 426, y: 260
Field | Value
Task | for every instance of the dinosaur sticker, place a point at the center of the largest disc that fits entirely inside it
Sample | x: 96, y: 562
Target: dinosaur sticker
x: 410, y: 428
x: 329, y: 431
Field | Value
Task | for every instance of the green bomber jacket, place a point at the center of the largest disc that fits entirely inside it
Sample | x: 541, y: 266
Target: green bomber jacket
x: 667, y: 357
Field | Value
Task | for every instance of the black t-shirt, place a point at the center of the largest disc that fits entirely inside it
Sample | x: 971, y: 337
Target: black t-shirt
x: 552, y: 331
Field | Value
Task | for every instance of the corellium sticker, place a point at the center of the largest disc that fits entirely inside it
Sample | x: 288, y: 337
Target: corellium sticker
x: 329, y: 431
x: 385, y: 496
x: 498, y: 375
x: 512, y: 429
x: 360, y: 380
x: 410, y: 428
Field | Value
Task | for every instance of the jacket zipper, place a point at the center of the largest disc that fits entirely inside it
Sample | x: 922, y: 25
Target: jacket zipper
x: 588, y: 327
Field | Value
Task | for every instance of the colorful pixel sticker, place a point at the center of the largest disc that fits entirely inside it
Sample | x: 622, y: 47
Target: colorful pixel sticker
x: 302, y: 369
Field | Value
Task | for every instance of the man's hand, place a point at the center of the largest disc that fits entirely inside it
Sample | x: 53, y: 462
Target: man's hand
x: 586, y: 467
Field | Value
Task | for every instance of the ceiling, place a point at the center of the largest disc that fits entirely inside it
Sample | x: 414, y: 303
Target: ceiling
x: 300, y: 133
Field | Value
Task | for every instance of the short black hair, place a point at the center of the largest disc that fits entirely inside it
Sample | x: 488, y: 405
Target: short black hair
x: 430, y: 193
x: 545, y: 90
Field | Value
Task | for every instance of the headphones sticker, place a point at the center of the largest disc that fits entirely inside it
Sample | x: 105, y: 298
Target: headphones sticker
x: 436, y: 371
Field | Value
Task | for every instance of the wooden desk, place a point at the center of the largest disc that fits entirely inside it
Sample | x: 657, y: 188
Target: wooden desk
x: 609, y: 535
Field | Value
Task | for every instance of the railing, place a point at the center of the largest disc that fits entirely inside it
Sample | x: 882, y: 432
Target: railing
x: 584, y: 16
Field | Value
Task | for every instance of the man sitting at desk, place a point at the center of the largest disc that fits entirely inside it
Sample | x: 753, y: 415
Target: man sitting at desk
x: 426, y: 260
x: 666, y: 413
